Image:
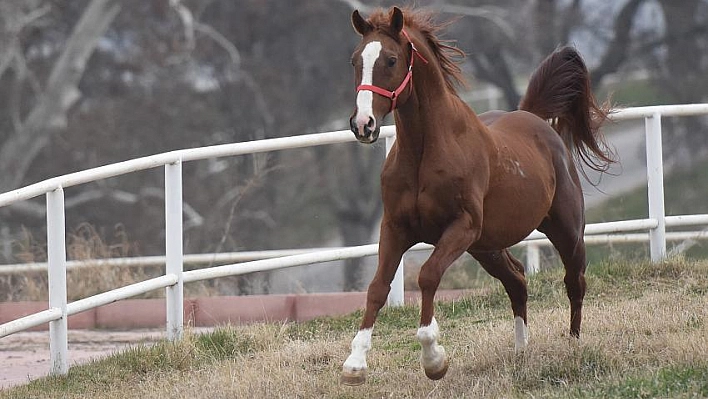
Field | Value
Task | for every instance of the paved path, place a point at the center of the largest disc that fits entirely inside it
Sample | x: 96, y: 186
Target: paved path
x: 25, y: 356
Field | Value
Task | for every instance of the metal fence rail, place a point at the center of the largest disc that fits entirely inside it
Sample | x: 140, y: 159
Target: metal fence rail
x: 174, y: 258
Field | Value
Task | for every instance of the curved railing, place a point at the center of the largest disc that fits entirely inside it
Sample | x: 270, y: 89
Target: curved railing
x: 59, y: 310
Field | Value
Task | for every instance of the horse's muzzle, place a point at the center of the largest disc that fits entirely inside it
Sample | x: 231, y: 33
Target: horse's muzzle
x: 365, y: 133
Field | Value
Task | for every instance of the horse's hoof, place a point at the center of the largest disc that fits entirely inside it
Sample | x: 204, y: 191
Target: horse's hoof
x: 438, y: 372
x: 353, y: 377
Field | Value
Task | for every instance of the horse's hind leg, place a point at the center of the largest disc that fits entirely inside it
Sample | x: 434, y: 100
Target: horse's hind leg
x: 565, y: 227
x: 507, y: 269
x: 571, y: 248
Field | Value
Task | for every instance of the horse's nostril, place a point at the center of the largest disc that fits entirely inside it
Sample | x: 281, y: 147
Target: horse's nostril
x: 371, y: 123
x: 352, y: 125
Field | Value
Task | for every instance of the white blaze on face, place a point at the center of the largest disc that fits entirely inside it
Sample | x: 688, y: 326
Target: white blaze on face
x: 365, y: 98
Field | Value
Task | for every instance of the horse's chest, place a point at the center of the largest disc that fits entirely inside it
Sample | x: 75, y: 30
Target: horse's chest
x: 426, y: 207
x: 438, y: 202
x: 426, y: 201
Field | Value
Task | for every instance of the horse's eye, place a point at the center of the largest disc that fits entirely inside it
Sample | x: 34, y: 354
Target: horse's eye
x: 392, y: 61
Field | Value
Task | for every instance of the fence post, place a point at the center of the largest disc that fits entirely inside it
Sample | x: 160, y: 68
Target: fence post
x: 655, y: 187
x: 173, y: 249
x: 56, y: 274
x: 533, y: 259
x: 396, y: 295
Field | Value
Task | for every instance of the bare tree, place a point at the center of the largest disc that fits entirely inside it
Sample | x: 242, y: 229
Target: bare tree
x: 618, y: 49
x: 60, y: 93
x: 683, y: 73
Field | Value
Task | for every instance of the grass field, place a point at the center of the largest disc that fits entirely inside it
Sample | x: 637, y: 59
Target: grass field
x: 685, y: 191
x: 645, y: 335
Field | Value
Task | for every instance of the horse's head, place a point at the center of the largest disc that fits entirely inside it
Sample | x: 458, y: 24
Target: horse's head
x: 382, y: 72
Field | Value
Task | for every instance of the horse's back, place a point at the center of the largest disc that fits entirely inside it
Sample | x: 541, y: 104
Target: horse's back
x: 521, y: 126
x: 490, y: 117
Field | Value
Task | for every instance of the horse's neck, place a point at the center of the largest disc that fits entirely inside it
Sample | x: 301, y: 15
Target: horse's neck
x: 432, y: 113
x: 427, y: 120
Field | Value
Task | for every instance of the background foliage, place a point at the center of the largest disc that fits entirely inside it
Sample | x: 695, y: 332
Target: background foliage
x: 90, y: 82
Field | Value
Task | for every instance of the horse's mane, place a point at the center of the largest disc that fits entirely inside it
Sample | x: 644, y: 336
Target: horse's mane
x: 423, y: 21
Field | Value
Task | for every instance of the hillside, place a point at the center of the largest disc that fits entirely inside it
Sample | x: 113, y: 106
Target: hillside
x: 644, y: 335
x: 685, y: 190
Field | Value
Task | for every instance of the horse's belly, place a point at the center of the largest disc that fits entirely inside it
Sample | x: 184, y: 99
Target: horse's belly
x: 495, y: 239
x: 512, y: 215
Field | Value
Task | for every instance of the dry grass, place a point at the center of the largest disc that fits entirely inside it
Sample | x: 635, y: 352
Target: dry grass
x: 483, y: 362
x: 85, y: 243
x: 645, y: 334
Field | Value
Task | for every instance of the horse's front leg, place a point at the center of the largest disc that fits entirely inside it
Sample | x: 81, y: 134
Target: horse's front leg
x: 392, y: 245
x: 456, y: 239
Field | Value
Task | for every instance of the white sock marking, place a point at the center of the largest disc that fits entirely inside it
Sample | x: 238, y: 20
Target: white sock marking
x: 360, y: 345
x: 433, y: 354
x: 521, y: 334
x: 365, y: 98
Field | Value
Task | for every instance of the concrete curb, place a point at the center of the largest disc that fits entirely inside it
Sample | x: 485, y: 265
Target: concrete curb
x: 210, y: 311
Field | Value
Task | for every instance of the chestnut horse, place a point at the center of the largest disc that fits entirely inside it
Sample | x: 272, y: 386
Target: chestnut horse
x: 471, y: 183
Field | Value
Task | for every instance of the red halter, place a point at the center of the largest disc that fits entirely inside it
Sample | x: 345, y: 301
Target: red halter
x: 393, y: 95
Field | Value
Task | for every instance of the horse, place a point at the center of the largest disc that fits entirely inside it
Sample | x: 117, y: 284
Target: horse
x: 465, y: 182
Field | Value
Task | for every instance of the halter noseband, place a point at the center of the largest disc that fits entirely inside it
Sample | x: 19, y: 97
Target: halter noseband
x: 393, y: 95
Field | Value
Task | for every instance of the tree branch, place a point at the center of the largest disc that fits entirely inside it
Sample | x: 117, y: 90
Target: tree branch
x: 49, y: 113
x: 492, y: 67
x: 495, y: 15
x: 187, y: 20
x: 215, y: 35
x: 619, y: 46
x: 358, y: 5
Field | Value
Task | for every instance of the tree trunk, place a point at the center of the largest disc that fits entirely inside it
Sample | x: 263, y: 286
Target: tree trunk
x: 684, y: 77
x: 49, y: 113
x: 357, y: 206
x: 683, y: 70
x: 618, y: 48
x: 492, y: 66
x: 545, y: 15
x: 354, y: 232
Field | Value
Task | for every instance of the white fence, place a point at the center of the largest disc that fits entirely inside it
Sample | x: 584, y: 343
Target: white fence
x: 59, y: 310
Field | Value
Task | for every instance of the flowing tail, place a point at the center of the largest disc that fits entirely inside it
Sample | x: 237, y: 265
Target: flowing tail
x: 559, y: 91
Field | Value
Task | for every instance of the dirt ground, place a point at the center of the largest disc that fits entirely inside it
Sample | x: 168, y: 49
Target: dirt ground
x: 25, y: 356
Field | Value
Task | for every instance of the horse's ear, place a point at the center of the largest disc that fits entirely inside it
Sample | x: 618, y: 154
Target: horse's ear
x: 360, y: 24
x: 396, y: 20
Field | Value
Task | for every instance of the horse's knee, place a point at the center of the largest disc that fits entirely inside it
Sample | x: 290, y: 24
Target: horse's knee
x: 377, y: 294
x: 516, y: 264
x: 428, y: 279
x: 575, y: 287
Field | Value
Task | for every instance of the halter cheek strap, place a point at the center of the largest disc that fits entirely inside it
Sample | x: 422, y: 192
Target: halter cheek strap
x: 393, y: 95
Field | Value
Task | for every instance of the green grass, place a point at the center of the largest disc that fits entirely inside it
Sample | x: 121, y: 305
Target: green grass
x: 645, y: 334
x: 685, y: 193
x: 668, y: 382
x: 635, y: 93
